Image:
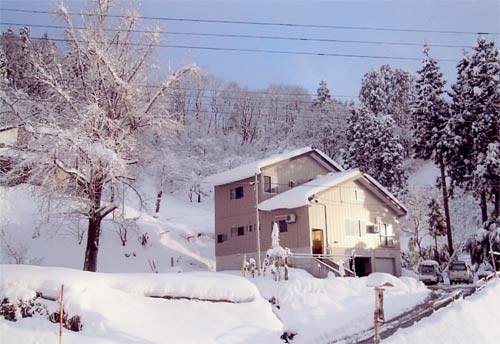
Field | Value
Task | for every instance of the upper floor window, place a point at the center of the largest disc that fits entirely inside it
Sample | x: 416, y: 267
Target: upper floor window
x: 269, y: 186
x: 236, y: 193
x: 241, y: 231
x: 387, y: 237
x: 282, y: 225
x: 221, y: 238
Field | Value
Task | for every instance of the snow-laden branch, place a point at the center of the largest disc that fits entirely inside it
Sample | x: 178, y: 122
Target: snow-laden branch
x: 80, y: 176
x: 176, y: 76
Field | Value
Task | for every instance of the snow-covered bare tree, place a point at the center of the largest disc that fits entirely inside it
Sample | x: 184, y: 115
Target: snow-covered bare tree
x: 87, y: 145
x: 431, y: 114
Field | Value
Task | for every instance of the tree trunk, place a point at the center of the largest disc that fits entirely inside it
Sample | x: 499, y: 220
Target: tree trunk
x: 484, y: 207
x: 497, y: 202
x: 444, y: 189
x: 436, y: 252
x: 94, y: 228
x: 158, y: 201
x: 92, y: 249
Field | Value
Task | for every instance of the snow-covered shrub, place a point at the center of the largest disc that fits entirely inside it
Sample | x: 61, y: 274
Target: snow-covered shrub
x: 278, y: 256
x: 485, y: 241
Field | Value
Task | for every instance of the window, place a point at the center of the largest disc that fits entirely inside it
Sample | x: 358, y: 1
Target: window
x: 291, y: 183
x: 221, y: 238
x: 282, y: 225
x: 387, y: 235
x: 249, y: 228
x: 269, y: 186
x: 241, y: 231
x: 236, y: 193
x: 234, y: 232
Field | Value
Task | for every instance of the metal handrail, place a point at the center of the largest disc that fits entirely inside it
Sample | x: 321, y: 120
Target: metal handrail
x: 328, y: 256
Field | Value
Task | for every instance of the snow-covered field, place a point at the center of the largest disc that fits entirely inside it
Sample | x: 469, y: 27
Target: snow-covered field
x: 183, y: 232
x: 207, y: 306
x: 473, y: 320
x: 117, y: 308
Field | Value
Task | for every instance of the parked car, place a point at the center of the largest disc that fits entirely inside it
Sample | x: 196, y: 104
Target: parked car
x: 459, y: 272
x: 429, y: 272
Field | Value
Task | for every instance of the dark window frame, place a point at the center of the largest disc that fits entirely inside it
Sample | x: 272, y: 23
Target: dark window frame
x: 282, y: 226
x: 221, y: 238
x: 241, y: 230
x: 236, y: 193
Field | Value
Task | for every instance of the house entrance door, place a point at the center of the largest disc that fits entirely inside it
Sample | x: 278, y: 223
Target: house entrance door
x: 317, y: 241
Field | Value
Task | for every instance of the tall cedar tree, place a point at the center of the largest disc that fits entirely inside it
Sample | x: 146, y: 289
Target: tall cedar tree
x: 375, y: 149
x: 472, y: 133
x: 390, y: 91
x: 437, y: 224
x: 431, y: 113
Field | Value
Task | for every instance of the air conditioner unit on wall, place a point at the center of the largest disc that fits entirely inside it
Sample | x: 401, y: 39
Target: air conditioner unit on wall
x: 291, y: 218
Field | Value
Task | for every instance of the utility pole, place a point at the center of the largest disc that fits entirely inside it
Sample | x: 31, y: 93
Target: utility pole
x: 257, y: 222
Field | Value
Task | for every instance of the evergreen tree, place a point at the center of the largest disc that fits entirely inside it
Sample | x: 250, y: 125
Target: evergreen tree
x: 326, y: 130
x: 431, y: 113
x: 323, y: 96
x: 437, y: 224
x: 472, y: 134
x: 374, y: 149
x: 389, y: 91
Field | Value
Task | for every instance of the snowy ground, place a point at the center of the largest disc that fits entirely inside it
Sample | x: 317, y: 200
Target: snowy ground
x: 183, y: 231
x: 320, y: 310
x: 473, y: 320
x: 116, y: 308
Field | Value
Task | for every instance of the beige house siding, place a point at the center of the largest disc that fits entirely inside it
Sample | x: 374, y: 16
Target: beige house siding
x: 230, y: 213
x: 342, y: 206
x: 299, y: 170
x: 354, y: 200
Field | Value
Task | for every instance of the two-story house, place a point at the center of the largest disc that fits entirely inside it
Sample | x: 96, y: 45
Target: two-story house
x: 330, y: 218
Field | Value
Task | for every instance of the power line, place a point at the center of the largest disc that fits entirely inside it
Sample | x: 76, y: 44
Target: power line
x: 263, y: 23
x: 247, y: 50
x: 262, y: 112
x: 224, y: 35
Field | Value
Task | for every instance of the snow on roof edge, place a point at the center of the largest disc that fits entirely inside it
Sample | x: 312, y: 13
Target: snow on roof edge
x: 245, y: 171
x: 299, y: 195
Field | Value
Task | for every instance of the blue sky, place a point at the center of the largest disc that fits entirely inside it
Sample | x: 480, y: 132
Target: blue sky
x: 343, y: 75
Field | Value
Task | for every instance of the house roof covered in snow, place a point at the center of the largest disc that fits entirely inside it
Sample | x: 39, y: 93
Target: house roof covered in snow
x: 248, y: 170
x: 300, y: 195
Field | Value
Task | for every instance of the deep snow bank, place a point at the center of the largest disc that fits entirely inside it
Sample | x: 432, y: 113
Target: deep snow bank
x: 323, y: 310
x: 473, y: 320
x: 115, y: 307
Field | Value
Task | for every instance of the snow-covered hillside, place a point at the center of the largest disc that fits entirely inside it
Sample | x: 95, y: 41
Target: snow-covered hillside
x: 183, y: 232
